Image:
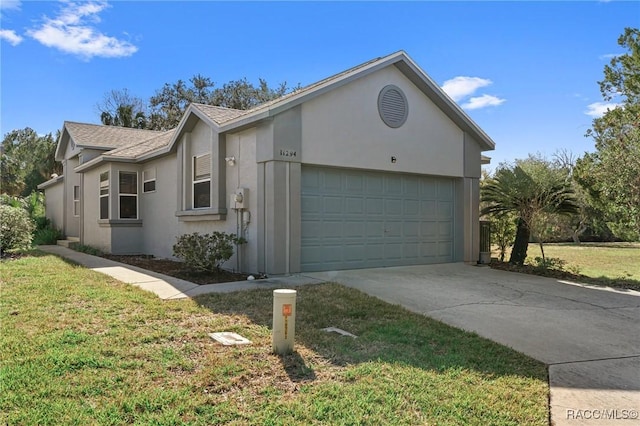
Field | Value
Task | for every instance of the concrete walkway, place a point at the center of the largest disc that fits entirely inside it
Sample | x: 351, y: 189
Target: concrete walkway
x: 589, y: 336
x: 164, y: 286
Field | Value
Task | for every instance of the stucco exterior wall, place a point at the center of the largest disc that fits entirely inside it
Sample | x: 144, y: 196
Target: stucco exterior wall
x: 343, y: 128
x: 94, y: 233
x: 160, y: 225
x: 71, y: 179
x: 158, y: 208
x: 244, y: 174
x: 54, y: 204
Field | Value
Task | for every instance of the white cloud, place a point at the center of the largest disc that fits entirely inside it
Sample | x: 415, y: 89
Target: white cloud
x: 71, y: 32
x: 11, y: 37
x: 483, y: 101
x: 10, y: 4
x: 608, y: 56
x: 597, y: 109
x: 460, y: 87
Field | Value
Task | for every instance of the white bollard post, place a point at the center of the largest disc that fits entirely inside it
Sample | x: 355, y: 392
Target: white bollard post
x: 284, y: 320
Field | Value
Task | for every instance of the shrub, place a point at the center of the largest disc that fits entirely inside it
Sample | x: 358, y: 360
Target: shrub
x: 46, y: 235
x: 549, y: 263
x: 17, y: 228
x: 205, y: 252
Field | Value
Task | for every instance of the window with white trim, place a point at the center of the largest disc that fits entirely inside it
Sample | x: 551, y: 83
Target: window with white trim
x: 128, y: 195
x: 76, y: 200
x: 149, y: 180
x: 104, y: 195
x: 202, y: 181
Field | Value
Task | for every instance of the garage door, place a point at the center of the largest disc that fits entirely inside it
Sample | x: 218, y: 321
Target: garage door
x: 355, y: 219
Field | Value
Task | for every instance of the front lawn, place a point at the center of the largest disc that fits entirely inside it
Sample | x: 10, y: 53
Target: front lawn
x: 608, y: 264
x: 77, y: 347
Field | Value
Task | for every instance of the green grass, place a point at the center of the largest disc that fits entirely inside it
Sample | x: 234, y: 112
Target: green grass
x: 77, y: 347
x: 608, y: 264
x: 608, y: 260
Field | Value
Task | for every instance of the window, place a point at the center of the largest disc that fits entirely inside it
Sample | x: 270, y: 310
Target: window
x: 104, y: 195
x: 149, y: 180
x: 76, y: 200
x: 202, y: 181
x: 128, y: 195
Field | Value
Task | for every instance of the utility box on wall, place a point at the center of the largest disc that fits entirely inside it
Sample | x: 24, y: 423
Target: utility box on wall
x: 239, y: 199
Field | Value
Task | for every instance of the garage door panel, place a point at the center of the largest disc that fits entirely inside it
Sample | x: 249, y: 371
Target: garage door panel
x: 375, y: 184
x: 393, y: 207
x: 374, y: 251
x: 354, y: 205
x: 445, y: 209
x: 375, y: 206
x: 359, y: 219
x: 393, y: 229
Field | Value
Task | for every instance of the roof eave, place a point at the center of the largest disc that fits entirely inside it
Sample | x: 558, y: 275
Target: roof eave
x: 102, y: 159
x: 51, y: 182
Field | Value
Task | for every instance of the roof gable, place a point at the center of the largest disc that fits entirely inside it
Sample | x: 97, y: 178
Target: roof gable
x: 100, y: 137
x: 235, y: 119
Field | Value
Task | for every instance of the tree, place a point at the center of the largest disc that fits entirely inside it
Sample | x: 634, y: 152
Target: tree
x: 120, y: 108
x: 530, y: 189
x: 169, y: 103
x: 27, y: 160
x: 611, y: 175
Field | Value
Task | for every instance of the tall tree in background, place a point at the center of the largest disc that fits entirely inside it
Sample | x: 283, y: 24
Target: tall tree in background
x: 169, y: 103
x: 27, y: 160
x: 120, y: 108
x: 531, y: 190
x: 611, y: 174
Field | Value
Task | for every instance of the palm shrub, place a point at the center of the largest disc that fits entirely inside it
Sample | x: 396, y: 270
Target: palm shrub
x: 530, y: 195
x: 205, y: 252
x: 16, y: 229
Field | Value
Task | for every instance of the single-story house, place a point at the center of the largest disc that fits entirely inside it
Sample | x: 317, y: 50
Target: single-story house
x: 375, y: 166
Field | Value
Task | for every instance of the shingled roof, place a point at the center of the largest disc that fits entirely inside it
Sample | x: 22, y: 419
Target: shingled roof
x: 218, y: 114
x: 145, y: 147
x: 109, y: 137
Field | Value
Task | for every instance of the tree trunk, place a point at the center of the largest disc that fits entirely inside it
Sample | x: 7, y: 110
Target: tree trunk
x: 521, y: 244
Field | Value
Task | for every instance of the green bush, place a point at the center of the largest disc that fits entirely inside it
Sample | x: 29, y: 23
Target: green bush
x: 205, y: 252
x: 17, y: 228
x: 549, y: 263
x: 46, y: 235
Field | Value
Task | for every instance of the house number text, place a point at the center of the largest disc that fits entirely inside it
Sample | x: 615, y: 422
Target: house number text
x: 288, y: 153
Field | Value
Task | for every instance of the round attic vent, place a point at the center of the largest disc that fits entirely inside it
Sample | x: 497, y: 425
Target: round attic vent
x: 392, y: 106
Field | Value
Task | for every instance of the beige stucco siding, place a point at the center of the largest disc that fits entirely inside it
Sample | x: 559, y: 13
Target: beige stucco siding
x: 94, y: 234
x: 54, y: 204
x: 161, y: 226
x: 158, y: 208
x: 343, y: 128
x: 71, y: 179
x: 244, y: 174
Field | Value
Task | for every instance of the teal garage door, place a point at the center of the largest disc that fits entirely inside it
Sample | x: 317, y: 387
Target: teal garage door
x: 359, y: 219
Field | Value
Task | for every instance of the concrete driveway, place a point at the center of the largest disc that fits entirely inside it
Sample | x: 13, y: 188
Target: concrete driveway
x: 589, y: 336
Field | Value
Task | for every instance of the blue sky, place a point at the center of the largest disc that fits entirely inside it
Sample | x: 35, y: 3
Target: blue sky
x: 526, y: 72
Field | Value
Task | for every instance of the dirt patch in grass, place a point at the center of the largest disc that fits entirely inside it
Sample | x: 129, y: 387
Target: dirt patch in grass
x: 177, y: 269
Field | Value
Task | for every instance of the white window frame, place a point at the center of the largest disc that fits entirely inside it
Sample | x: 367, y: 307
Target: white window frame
x: 76, y: 200
x: 148, y: 175
x: 205, y: 178
x: 124, y: 194
x: 103, y: 186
